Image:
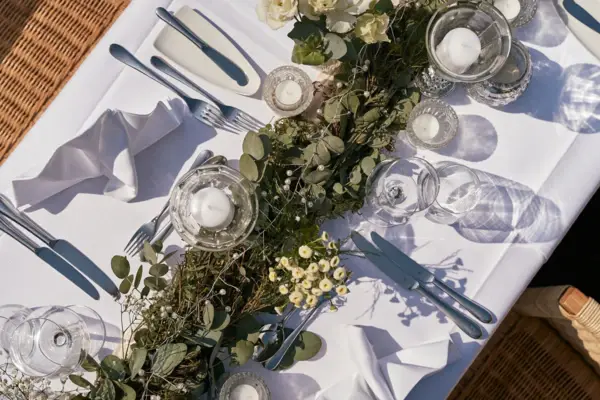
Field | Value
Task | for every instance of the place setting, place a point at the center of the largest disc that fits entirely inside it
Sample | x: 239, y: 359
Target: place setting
x: 234, y: 285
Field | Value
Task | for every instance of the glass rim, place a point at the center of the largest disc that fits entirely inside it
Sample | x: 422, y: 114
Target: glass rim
x: 450, y: 164
x: 414, y: 139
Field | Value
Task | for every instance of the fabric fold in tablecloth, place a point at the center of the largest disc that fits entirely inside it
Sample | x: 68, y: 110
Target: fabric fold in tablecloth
x: 107, y: 148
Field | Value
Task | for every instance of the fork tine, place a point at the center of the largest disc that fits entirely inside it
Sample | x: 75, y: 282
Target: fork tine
x: 138, y: 238
x: 250, y: 118
x: 133, y: 238
x: 240, y: 122
x: 210, y: 120
x: 137, y: 244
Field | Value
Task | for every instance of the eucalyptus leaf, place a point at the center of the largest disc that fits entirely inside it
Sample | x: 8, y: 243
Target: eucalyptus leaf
x: 353, y: 47
x: 380, y: 142
x: 317, y: 191
x: 136, y: 360
x: 89, y: 364
x: 303, y: 29
x: 249, y: 168
x: 367, y: 165
x: 371, y: 116
x: 245, y: 326
x: 120, y: 266
x: 207, y: 338
x: 220, y: 321
x: 81, y: 381
x: 159, y: 270
x: 157, y: 246
x: 309, y: 152
x: 334, y: 144
x: 138, y: 277
x: 307, y: 346
x: 155, y: 283
x: 128, y: 391
x: 125, y: 285
x: 317, y: 176
x: 351, y: 103
x: 355, y: 175
x: 149, y: 253
x: 322, y: 154
x: 106, y: 391
x: 253, y: 145
x: 168, y: 357
x: 338, y: 188
x: 243, y: 351
x: 332, y: 110
x: 208, y: 314
x: 145, y: 292
x: 113, y: 367
x: 335, y: 46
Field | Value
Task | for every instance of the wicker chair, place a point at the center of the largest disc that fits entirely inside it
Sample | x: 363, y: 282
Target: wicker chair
x: 548, y: 347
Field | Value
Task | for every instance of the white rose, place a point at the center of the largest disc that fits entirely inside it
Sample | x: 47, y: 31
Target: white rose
x: 276, y: 12
x: 343, y: 18
x: 372, y: 28
x: 357, y: 7
x: 323, y: 6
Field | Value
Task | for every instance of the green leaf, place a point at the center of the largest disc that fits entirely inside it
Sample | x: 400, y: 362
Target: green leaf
x: 355, y: 175
x: 138, y: 277
x: 334, y: 144
x: 332, y: 110
x: 208, y: 314
x: 155, y: 283
x: 136, y: 360
x: 106, y: 391
x: 317, y: 176
x: 253, y: 146
x: 403, y: 79
x: 168, y: 357
x: 338, y: 188
x: 81, y: 381
x: 221, y: 320
x: 247, y: 325
x: 307, y: 346
x: 317, y: 191
x: 145, y: 292
x: 113, y: 367
x: 371, y: 116
x: 303, y: 29
x: 159, y: 270
x: 125, y: 285
x: 149, y: 253
x: 243, y: 351
x: 89, y: 364
x: 249, y: 168
x: 205, y: 338
x: 335, y: 46
x: 157, y: 246
x: 351, y: 103
x: 367, y: 164
x: 128, y: 391
x: 384, y: 6
x: 307, y: 54
x: 380, y: 142
x: 352, y: 49
x: 141, y: 335
x: 120, y: 266
x: 322, y: 156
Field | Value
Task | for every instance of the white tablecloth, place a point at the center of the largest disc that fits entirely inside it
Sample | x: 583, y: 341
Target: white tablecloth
x: 540, y: 153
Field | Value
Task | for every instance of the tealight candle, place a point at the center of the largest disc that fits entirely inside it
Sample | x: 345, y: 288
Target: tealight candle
x: 211, y: 208
x: 288, y: 92
x: 459, y: 49
x: 509, y: 8
x: 426, y: 127
x: 244, y: 392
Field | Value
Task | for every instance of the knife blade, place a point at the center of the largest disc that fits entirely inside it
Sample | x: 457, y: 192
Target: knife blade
x: 424, y: 276
x: 228, y: 66
x: 374, y: 255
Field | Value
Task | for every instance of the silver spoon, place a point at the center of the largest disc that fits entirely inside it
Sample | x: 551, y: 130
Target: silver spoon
x: 271, y: 337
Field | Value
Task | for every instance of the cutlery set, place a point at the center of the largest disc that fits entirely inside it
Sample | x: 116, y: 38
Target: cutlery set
x: 411, y: 276
x: 213, y: 113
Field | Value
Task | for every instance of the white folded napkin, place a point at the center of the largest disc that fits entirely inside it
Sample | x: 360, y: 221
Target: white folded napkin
x: 107, y: 148
x: 389, y: 378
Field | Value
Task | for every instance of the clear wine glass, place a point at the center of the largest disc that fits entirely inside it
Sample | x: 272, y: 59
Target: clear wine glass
x: 11, y: 316
x: 51, y: 341
x: 398, y: 189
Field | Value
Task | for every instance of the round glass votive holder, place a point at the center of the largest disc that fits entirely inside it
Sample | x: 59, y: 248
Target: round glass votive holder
x: 482, y: 19
x: 524, y: 9
x: 460, y: 192
x: 509, y: 84
x: 244, y: 385
x: 288, y: 91
x: 432, y: 124
x: 232, y: 186
x: 432, y: 85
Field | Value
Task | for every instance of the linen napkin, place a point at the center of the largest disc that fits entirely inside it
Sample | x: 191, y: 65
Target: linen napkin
x: 107, y: 148
x: 388, y: 378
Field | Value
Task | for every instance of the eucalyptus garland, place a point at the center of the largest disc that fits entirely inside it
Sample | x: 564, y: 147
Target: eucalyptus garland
x: 184, y: 325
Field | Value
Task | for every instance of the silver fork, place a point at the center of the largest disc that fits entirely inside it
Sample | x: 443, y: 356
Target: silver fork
x: 232, y: 114
x: 202, y: 111
x: 147, y: 231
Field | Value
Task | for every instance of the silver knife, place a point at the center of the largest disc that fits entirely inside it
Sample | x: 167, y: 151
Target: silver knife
x: 424, y: 276
x: 228, y: 66
x: 50, y: 257
x: 62, y: 247
x: 405, y: 281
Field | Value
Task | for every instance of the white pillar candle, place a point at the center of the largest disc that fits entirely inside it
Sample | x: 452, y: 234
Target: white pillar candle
x: 244, y: 392
x: 426, y: 127
x: 288, y: 92
x: 459, y: 49
x: 211, y: 208
x: 510, y: 8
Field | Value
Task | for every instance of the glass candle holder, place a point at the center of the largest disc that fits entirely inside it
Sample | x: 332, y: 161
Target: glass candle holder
x: 213, y: 208
x: 468, y: 41
x: 399, y: 188
x: 432, y: 124
x: 459, y: 193
x: 431, y: 85
x: 288, y: 91
x: 509, y: 84
x: 244, y: 386
x: 517, y: 12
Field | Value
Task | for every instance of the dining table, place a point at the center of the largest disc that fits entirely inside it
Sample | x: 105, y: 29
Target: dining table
x: 538, y: 156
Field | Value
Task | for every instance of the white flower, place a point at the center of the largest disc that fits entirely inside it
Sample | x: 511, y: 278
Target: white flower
x: 340, y: 22
x: 272, y: 276
x: 296, y: 297
x: 324, y: 264
x: 312, y: 276
x: 311, y: 300
x: 341, y: 290
x: 372, y: 28
x: 339, y: 273
x: 332, y: 246
x: 325, y: 285
x: 283, y: 289
x: 306, y: 284
x: 297, y: 218
x: 316, y: 291
x: 305, y: 252
x: 335, y: 261
x: 325, y: 236
x: 279, y: 310
x: 312, y: 268
x: 276, y: 12
x: 298, y: 273
x: 323, y: 6
x: 285, y: 262
x: 357, y: 7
